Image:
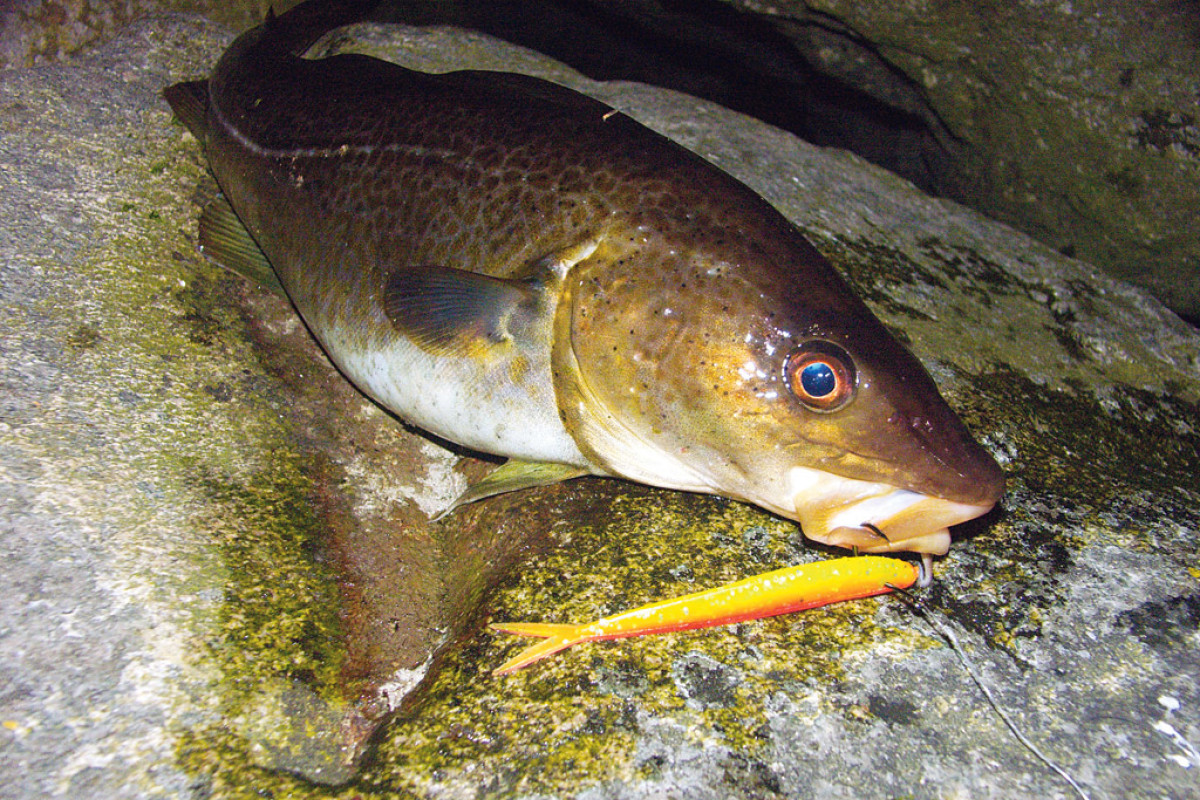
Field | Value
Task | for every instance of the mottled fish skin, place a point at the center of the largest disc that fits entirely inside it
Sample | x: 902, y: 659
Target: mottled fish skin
x: 601, y: 297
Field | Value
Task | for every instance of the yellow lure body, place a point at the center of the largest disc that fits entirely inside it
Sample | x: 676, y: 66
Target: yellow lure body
x: 778, y: 592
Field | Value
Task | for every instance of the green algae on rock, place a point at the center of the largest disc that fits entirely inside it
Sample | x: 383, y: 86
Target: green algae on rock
x: 1070, y: 346
x: 182, y: 502
x: 577, y: 714
x: 128, y: 388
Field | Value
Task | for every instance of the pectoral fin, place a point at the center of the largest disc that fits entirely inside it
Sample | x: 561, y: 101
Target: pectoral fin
x: 225, y: 240
x: 452, y: 312
x: 512, y: 476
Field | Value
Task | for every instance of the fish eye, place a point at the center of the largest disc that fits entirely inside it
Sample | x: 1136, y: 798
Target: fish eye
x: 820, y: 375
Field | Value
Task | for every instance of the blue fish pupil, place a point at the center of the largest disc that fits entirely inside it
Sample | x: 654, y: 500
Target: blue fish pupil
x: 818, y: 379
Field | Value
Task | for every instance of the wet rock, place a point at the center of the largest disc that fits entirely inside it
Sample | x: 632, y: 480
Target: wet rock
x: 225, y: 586
x: 209, y: 532
x: 41, y: 31
x: 1074, y: 121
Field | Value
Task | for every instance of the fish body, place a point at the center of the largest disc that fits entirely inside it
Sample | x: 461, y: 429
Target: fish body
x: 520, y: 269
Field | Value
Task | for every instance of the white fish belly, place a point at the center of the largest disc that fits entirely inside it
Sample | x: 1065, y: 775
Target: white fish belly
x: 474, y: 404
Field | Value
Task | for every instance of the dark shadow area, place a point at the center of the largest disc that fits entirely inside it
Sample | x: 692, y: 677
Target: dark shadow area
x: 708, y: 49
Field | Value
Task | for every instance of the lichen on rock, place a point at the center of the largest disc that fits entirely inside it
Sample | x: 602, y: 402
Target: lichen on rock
x: 208, y: 597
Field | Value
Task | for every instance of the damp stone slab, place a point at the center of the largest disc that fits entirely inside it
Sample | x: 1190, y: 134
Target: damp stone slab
x: 167, y: 631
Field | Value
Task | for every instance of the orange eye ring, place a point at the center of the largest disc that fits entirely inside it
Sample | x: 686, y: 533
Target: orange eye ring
x: 820, y: 375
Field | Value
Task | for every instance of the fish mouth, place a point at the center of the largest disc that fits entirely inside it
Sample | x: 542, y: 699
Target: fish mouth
x: 876, y: 517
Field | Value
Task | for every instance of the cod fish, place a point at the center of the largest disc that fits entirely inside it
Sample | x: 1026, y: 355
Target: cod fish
x: 520, y: 269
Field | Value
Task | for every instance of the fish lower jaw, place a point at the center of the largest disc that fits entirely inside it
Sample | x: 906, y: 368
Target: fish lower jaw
x: 866, y: 540
x: 875, y: 517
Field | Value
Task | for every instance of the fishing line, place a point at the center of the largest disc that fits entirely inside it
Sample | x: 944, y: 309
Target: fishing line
x: 916, y: 605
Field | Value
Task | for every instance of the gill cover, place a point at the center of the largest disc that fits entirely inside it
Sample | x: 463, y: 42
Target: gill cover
x: 768, y: 381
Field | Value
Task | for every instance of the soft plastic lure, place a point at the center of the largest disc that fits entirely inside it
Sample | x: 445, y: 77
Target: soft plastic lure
x: 779, y: 592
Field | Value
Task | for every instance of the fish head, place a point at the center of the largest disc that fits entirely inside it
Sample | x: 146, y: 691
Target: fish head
x: 765, y: 379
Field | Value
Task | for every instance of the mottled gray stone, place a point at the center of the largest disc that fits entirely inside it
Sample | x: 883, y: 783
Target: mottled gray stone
x: 136, y: 490
x: 1074, y: 121
x: 41, y: 31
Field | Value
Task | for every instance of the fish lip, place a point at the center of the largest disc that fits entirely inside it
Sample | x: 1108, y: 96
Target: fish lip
x: 875, y: 517
x: 978, y: 480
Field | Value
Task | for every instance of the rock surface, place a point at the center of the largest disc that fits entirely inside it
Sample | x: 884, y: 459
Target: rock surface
x: 1075, y: 121
x: 981, y: 103
x: 41, y: 31
x: 218, y: 574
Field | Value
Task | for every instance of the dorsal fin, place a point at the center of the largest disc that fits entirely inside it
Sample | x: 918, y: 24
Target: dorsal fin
x: 527, y: 85
x: 299, y: 28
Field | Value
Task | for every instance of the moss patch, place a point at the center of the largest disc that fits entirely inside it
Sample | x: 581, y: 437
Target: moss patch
x: 178, y: 443
x: 279, y: 615
x: 1082, y: 472
x: 577, y: 718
